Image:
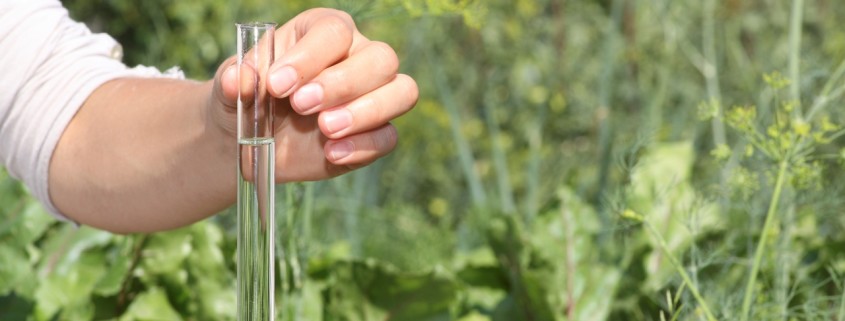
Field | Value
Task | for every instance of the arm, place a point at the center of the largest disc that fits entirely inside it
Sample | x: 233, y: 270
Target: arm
x: 140, y: 156
x: 144, y: 155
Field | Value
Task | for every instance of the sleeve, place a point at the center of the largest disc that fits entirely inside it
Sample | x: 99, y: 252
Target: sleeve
x: 50, y: 65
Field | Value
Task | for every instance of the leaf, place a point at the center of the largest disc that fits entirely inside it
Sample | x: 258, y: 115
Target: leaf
x: 475, y: 316
x: 28, y: 225
x: 661, y: 191
x: 553, y: 270
x: 14, y: 269
x: 64, y: 248
x: 205, y: 257
x: 484, y: 276
x: 70, y: 291
x: 166, y: 252
x: 111, y: 282
x: 342, y: 301
x: 371, y: 290
x: 151, y: 305
x: 526, y: 299
x: 216, y: 301
x: 13, y: 307
x: 405, y: 296
x: 580, y: 284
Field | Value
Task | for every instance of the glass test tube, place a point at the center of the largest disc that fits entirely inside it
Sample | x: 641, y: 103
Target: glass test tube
x: 256, y: 176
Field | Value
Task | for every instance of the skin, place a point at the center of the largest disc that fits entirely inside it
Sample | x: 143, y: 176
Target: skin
x: 145, y: 155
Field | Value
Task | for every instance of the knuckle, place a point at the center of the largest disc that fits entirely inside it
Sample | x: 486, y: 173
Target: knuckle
x: 411, y: 89
x: 338, y: 25
x: 323, y: 11
x: 385, y: 55
x: 339, y: 82
x: 346, y: 17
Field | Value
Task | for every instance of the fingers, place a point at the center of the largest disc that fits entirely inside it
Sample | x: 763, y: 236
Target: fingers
x: 321, y: 38
x: 225, y: 88
x: 342, y: 92
x: 361, y: 149
x: 372, y: 110
x: 373, y: 66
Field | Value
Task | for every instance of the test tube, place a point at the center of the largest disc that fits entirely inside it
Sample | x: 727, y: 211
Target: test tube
x: 256, y: 175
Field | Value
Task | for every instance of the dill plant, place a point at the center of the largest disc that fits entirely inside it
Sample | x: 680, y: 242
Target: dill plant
x: 787, y: 141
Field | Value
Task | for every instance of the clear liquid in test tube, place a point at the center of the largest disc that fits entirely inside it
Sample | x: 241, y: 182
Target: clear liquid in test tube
x: 256, y: 173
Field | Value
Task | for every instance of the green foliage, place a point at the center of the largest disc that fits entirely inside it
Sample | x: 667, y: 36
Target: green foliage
x: 568, y: 160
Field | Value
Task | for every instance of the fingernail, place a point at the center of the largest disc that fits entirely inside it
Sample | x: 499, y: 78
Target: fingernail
x: 308, y: 97
x: 340, y: 150
x: 337, y: 120
x: 283, y: 79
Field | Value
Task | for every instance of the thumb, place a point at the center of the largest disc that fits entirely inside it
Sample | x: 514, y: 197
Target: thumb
x: 225, y: 89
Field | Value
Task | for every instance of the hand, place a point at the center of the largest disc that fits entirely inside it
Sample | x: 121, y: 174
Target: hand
x: 337, y: 93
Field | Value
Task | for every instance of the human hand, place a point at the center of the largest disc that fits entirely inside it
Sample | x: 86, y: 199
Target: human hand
x: 337, y: 92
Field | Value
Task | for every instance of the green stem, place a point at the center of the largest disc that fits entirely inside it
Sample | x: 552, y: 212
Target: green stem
x: 711, y: 70
x: 532, y: 172
x: 761, y: 243
x: 499, y: 159
x: 684, y: 276
x: 826, y: 96
x: 465, y: 157
x: 794, y: 52
x: 841, y: 316
x: 606, y: 86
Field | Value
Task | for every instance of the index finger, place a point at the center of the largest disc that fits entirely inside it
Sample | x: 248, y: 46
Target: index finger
x: 319, y: 39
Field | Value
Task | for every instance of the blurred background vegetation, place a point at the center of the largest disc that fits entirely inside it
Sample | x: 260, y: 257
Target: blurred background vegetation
x: 567, y: 160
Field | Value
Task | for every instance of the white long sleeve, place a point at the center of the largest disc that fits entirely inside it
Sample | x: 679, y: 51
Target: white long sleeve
x: 49, y: 65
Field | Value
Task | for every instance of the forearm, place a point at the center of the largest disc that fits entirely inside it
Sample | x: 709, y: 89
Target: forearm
x: 141, y: 155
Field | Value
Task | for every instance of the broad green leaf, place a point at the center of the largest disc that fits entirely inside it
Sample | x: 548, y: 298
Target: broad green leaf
x: 14, y: 269
x: 528, y: 287
x: 64, y: 248
x: 111, y: 282
x: 484, y: 276
x: 475, y: 316
x: 69, y: 291
x: 205, y: 257
x: 342, y: 300
x: 371, y: 290
x: 27, y: 223
x: 405, y: 296
x: 216, y: 301
x: 661, y: 192
x: 151, y: 305
x: 507, y: 310
x: 13, y: 307
x: 305, y: 304
x: 164, y: 253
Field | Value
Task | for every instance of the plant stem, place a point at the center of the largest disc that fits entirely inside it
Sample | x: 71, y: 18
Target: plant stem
x: 711, y: 71
x: 684, y: 276
x: 784, y: 264
x: 467, y: 161
x: 825, y: 96
x: 606, y: 85
x: 139, y: 242
x: 841, y: 316
x: 794, y: 52
x: 569, y: 258
x: 499, y: 160
x: 761, y: 243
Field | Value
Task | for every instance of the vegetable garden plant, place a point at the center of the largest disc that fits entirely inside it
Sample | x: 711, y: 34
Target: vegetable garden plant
x: 567, y: 160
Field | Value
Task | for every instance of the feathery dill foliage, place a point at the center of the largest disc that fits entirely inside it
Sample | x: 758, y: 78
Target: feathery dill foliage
x: 567, y: 160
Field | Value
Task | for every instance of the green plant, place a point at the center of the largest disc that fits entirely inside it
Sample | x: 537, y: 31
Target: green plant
x: 542, y: 128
